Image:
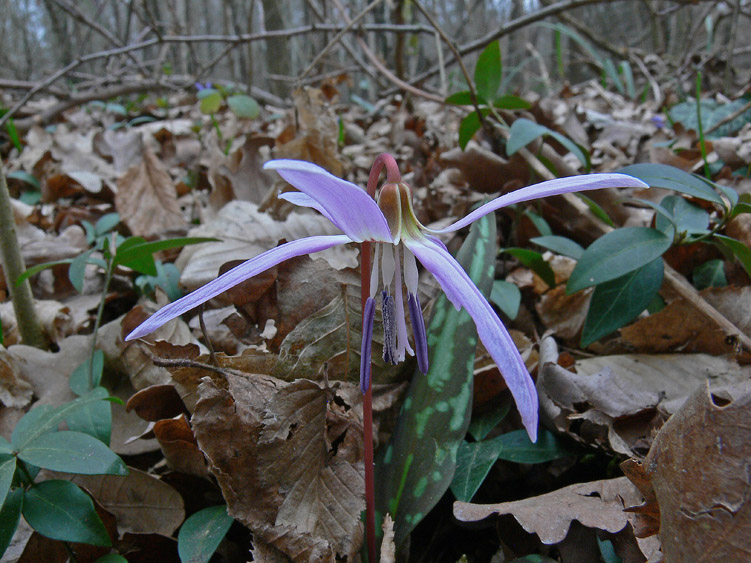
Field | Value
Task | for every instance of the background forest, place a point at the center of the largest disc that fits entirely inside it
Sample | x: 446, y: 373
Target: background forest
x: 133, y: 138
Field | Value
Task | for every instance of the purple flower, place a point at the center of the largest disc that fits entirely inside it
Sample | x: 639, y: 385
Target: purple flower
x: 200, y: 86
x: 398, y: 238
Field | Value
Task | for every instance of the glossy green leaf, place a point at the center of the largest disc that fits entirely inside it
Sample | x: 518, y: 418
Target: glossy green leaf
x: 523, y: 131
x: 202, y: 533
x: 511, y: 102
x: 516, y: 446
x: 211, y: 101
x: 7, y: 469
x: 10, y: 515
x: 5, y: 447
x: 687, y: 217
x: 94, y: 419
x: 616, y: 254
x: 672, y: 178
x: 560, y: 245
x: 139, y: 256
x: 44, y: 419
x: 484, y: 422
x: 463, y: 98
x: 488, y: 71
x: 81, y: 380
x: 417, y: 465
x: 710, y: 274
x: 24, y: 177
x: 473, y: 463
x: 740, y: 250
x: 72, y: 452
x: 61, y: 511
x: 243, y: 106
x: 507, y: 297
x: 535, y: 262
x: 617, y: 302
x: 467, y: 128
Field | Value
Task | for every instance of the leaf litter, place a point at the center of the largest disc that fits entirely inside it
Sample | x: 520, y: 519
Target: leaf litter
x: 274, y: 417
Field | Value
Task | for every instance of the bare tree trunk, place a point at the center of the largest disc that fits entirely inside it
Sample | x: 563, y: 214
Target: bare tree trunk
x: 277, y: 52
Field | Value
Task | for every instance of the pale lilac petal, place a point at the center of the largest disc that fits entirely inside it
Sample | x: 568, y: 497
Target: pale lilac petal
x: 544, y: 189
x: 302, y: 200
x: 349, y: 207
x: 236, y: 275
x: 462, y: 292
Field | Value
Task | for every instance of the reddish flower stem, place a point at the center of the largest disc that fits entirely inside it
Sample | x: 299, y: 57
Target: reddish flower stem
x: 392, y: 176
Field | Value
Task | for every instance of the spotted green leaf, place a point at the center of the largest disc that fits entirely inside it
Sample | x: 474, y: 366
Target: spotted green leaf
x: 417, y: 465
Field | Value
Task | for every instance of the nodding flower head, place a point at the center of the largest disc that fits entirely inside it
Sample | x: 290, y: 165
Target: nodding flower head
x: 400, y: 241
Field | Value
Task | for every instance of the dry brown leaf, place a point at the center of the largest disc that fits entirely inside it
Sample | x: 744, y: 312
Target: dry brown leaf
x: 701, y: 484
x: 54, y: 319
x: 564, y: 314
x: 598, y: 504
x: 142, y: 503
x: 619, y: 401
x: 484, y: 170
x: 179, y: 446
x: 245, y: 232
x: 271, y: 449
x: 679, y: 327
x: 146, y: 198
x: 156, y: 403
x: 124, y: 147
x: 241, y: 176
x: 14, y: 390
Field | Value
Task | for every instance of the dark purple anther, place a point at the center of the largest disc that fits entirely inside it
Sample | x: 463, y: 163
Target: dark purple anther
x: 418, y: 330
x: 367, y: 344
x: 388, y: 309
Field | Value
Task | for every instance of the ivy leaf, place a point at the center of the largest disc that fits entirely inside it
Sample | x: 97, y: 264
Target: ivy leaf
x: 710, y: 274
x: 202, y: 533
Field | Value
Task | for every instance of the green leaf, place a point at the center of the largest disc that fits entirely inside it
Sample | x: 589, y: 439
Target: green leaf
x: 488, y: 71
x: 507, y: 297
x: 463, y: 98
x: 202, y: 533
x: 77, y: 270
x: 516, y: 446
x: 467, y: 129
x: 628, y: 76
x: 742, y: 207
x: 10, y: 515
x: 473, y: 463
x: 61, y: 511
x: 535, y: 262
x: 710, y: 274
x: 7, y: 469
x: 686, y: 217
x: 139, y: 256
x: 740, y: 250
x: 5, y: 447
x: 560, y: 245
x: 211, y: 101
x: 672, y: 178
x: 24, y: 177
x: 416, y: 467
x: 617, y: 302
x: 511, y: 102
x: 523, y: 131
x: 243, y: 106
x: 106, y: 223
x: 94, y: 419
x: 44, y: 419
x: 483, y: 423
x: 10, y: 126
x: 712, y: 112
x: 72, y: 452
x: 38, y: 268
x: 81, y: 380
x: 616, y: 254
x: 596, y: 210
x: 540, y: 224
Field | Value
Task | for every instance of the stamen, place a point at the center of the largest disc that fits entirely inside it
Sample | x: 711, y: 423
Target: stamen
x: 368, y: 316
x: 401, y: 324
x: 418, y: 329
x: 389, y: 334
